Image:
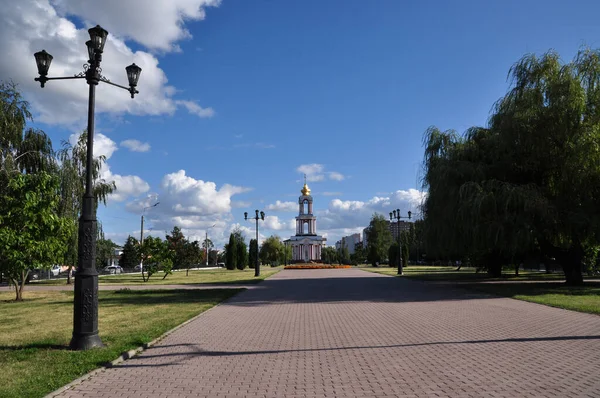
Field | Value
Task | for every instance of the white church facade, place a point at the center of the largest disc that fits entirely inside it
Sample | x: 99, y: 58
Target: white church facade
x: 306, y: 244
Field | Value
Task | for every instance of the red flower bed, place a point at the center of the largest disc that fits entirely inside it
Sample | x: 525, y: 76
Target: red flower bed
x: 316, y: 266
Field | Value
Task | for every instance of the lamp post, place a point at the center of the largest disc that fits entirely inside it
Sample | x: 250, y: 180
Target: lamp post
x: 206, y: 243
x: 142, y: 234
x: 395, y: 215
x: 85, y: 319
x: 257, y: 217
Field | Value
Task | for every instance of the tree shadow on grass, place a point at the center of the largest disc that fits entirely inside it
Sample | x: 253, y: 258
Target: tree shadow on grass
x: 34, y: 346
x: 116, y: 298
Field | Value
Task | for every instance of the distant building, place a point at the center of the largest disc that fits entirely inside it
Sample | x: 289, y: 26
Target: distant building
x: 115, y: 255
x: 306, y: 244
x: 349, y: 242
x: 394, y: 227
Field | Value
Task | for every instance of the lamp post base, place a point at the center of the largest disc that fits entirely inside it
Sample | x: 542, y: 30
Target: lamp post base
x: 82, y: 341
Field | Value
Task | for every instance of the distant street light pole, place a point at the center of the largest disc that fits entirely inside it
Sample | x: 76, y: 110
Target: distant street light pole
x: 262, y: 217
x: 395, y: 215
x: 206, y: 242
x: 142, y: 235
x: 85, y: 300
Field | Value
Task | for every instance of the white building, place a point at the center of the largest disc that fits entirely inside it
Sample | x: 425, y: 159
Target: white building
x: 306, y: 244
x: 349, y: 242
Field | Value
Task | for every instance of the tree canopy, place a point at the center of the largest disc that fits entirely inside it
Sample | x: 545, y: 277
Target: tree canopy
x: 530, y: 180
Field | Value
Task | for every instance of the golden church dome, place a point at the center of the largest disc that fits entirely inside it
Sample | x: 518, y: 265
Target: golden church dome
x: 305, y: 190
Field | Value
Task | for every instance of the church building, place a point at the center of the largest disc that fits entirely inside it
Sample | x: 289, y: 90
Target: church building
x: 306, y: 244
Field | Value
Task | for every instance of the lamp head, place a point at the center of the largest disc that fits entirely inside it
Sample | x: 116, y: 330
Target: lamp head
x: 43, y: 61
x: 256, y: 214
x: 91, y: 50
x: 391, y: 216
x: 133, y: 74
x: 409, y: 213
x: 98, y: 38
x: 262, y: 215
x: 245, y: 215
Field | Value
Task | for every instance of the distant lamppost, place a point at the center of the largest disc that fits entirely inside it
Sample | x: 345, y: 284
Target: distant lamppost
x: 395, y: 215
x: 142, y: 231
x: 206, y: 243
x: 257, y: 217
x: 85, y: 319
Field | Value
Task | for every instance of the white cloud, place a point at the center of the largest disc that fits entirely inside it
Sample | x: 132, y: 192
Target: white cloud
x: 196, y: 109
x: 127, y: 186
x: 334, y: 175
x: 136, y: 146
x: 275, y: 224
x: 282, y: 206
x: 28, y: 26
x: 343, y: 217
x: 156, y: 24
x: 316, y: 172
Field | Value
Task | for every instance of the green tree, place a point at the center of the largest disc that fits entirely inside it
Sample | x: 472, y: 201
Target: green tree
x: 22, y: 149
x: 241, y: 249
x: 104, y: 251
x: 131, y: 255
x: 393, y: 254
x: 32, y: 235
x: 359, y: 256
x: 530, y: 181
x: 271, y: 251
x: 231, y: 253
x: 379, y: 239
x: 253, y: 253
x: 157, y: 256
x: 192, y: 255
x: 177, y: 244
x: 72, y: 185
x: 329, y: 255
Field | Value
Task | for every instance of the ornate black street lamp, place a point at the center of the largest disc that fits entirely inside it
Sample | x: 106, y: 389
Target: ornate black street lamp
x: 85, y: 319
x: 262, y: 217
x: 395, y: 215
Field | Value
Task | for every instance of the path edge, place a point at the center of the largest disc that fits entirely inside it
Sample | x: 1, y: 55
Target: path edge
x: 133, y: 352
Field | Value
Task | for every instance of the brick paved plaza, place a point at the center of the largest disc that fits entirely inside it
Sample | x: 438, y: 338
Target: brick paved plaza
x: 351, y: 333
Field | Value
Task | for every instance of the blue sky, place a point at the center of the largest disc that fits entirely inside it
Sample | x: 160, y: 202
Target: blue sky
x: 239, y: 98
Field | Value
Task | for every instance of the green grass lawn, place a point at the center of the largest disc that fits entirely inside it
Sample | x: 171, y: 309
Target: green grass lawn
x: 577, y: 298
x: 214, y: 276
x: 35, y: 333
x: 546, y: 290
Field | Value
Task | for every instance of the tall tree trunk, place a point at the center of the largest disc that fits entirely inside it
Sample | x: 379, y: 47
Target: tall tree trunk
x: 187, y: 271
x: 69, y: 274
x: 571, y: 265
x: 494, y: 265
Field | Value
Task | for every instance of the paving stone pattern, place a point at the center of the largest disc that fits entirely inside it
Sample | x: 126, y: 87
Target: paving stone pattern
x: 351, y: 333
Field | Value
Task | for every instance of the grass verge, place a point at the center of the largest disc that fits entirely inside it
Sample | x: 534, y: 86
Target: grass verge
x: 577, y: 298
x: 35, y: 333
x: 214, y: 276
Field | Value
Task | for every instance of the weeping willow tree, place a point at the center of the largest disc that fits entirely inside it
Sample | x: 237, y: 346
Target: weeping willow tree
x: 22, y: 149
x: 531, y: 179
x: 72, y: 184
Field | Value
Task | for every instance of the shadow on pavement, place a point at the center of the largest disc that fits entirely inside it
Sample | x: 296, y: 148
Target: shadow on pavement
x: 375, y: 288
x: 196, y: 352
